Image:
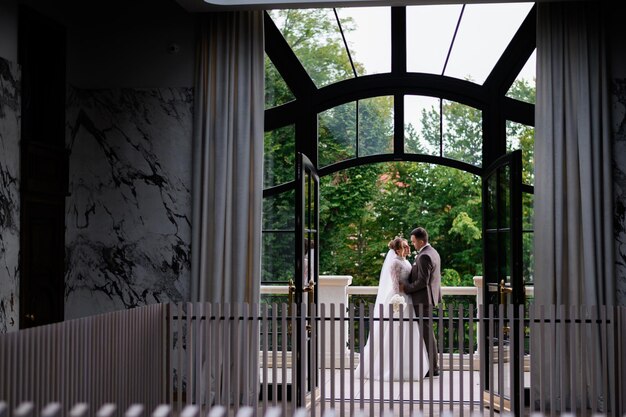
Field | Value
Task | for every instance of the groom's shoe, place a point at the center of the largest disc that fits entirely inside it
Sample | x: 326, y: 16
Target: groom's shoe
x: 435, y: 373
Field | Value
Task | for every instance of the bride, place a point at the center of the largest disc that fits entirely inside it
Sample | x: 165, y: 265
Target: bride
x: 395, y: 269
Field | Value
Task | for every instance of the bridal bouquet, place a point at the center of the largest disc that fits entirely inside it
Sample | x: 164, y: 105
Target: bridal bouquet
x: 397, y: 301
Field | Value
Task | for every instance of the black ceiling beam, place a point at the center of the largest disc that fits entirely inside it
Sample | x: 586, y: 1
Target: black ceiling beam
x: 346, y: 91
x: 518, y: 111
x: 514, y: 56
x: 398, y: 40
x: 286, y: 61
x: 373, y: 159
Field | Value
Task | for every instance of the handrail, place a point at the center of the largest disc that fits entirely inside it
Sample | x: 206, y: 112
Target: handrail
x: 368, y: 290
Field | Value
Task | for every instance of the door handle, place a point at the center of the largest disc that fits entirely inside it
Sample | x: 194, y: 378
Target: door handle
x: 292, y: 290
x: 310, y: 290
x: 504, y: 290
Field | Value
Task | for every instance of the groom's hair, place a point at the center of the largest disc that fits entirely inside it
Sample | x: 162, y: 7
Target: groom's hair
x: 420, y: 234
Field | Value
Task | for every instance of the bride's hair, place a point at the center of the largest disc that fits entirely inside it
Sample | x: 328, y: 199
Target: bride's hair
x: 396, y: 243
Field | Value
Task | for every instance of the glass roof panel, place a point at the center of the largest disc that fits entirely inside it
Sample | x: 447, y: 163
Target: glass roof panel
x: 429, y: 31
x: 484, y: 33
x: 525, y: 84
x: 276, y: 90
x: 314, y: 36
x: 370, y: 38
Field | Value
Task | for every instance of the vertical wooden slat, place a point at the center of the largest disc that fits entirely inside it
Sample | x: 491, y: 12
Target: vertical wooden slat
x: 265, y: 326
x: 552, y: 359
x: 381, y: 357
x: 450, y: 357
x: 285, y: 322
x: 342, y: 362
x: 461, y: 349
x: 246, y: 342
x: 209, y: 332
x: 512, y: 359
x: 421, y: 359
x: 593, y: 340
x: 562, y: 379
x: 198, y: 353
x: 236, y: 353
x: 501, y: 324
x: 490, y: 359
x: 471, y: 357
x: 401, y: 360
x: 533, y: 355
x: 332, y: 356
x: 274, y: 327
x: 314, y: 356
x: 573, y: 338
x: 372, y: 342
x: 351, y: 335
x: 323, y: 358
x: 522, y: 340
x: 412, y: 377
x: 604, y: 354
x: 361, y: 375
x: 440, y: 345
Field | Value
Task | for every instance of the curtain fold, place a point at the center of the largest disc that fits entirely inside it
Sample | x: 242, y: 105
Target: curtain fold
x: 574, y: 245
x: 228, y: 158
x: 574, y: 257
x: 228, y: 192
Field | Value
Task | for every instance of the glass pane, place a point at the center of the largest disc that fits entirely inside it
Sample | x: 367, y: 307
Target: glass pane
x: 504, y: 215
x: 314, y: 36
x: 277, y: 261
x: 279, y: 156
x: 370, y: 40
x: 505, y: 257
x: 422, y: 120
x: 528, y: 211
x: 276, y: 90
x: 376, y: 125
x: 525, y: 85
x: 519, y: 136
x: 429, y: 32
x: 462, y: 133
x: 491, y: 265
x: 492, y: 206
x: 337, y: 134
x: 278, y: 211
x: 484, y: 34
x: 528, y: 260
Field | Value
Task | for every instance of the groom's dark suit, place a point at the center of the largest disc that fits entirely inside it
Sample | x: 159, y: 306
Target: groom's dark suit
x: 424, y: 287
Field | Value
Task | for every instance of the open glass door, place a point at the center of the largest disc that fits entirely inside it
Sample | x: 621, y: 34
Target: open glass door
x: 503, y: 284
x: 303, y: 291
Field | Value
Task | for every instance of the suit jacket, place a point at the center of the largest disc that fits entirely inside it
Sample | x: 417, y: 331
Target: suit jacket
x: 424, y: 283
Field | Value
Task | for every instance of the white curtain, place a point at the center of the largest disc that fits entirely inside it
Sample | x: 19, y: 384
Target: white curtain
x: 228, y: 158
x: 228, y: 190
x: 574, y: 257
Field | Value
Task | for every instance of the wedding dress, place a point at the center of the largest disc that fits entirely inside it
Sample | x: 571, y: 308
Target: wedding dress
x: 387, y: 357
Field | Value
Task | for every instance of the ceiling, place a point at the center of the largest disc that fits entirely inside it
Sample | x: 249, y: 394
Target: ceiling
x: 217, y: 5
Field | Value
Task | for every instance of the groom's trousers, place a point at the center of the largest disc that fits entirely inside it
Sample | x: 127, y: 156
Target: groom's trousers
x: 428, y: 335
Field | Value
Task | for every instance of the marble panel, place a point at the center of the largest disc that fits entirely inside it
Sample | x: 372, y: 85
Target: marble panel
x: 10, y: 113
x: 128, y: 218
x: 619, y: 179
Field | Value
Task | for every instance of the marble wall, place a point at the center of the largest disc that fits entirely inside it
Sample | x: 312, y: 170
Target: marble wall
x: 128, y: 219
x: 10, y: 112
x: 619, y: 172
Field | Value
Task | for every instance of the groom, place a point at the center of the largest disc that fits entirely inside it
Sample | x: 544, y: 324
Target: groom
x: 424, y: 287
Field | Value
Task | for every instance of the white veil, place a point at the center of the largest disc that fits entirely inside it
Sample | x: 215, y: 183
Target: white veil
x: 385, y: 284
x: 385, y: 292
